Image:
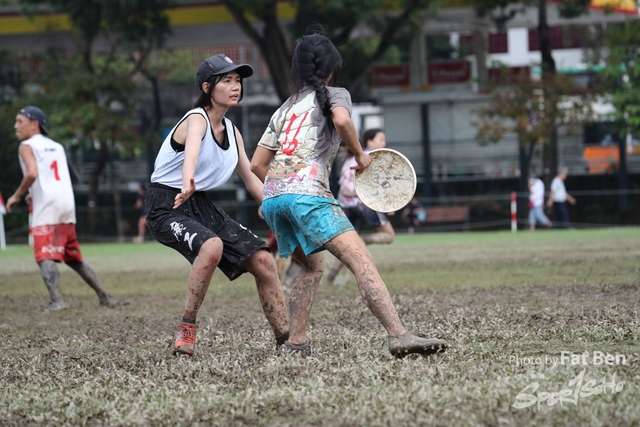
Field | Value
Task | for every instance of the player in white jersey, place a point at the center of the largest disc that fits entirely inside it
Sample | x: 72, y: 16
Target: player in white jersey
x: 46, y: 177
x: 199, y: 154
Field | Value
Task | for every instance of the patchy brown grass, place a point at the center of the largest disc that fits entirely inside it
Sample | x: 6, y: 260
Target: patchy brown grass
x: 502, y: 300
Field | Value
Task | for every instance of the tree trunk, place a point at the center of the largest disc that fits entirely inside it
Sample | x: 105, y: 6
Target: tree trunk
x: 480, y: 49
x: 117, y: 205
x: 94, y: 189
x: 153, y: 132
x: 548, y: 65
x: 272, y: 44
x: 623, y: 181
x: 275, y: 53
x: 387, y: 37
x: 523, y: 181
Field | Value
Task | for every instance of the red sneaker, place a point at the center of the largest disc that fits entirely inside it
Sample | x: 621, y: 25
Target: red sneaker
x: 185, y: 342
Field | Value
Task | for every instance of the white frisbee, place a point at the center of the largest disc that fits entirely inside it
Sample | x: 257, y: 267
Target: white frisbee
x: 388, y: 183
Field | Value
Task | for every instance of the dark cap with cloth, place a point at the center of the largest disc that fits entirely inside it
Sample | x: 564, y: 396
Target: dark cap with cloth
x: 220, y: 64
x: 36, y: 114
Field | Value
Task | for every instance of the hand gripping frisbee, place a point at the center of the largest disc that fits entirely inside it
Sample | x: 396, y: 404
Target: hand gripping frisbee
x: 388, y: 183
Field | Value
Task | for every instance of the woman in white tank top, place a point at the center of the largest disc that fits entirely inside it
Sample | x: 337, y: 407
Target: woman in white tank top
x: 200, y: 154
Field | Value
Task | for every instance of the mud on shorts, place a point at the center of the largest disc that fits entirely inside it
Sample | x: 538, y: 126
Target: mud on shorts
x: 197, y: 220
x: 57, y: 242
x: 305, y: 221
x: 363, y: 216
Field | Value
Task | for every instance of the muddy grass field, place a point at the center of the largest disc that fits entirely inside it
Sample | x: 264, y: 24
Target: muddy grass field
x: 544, y: 330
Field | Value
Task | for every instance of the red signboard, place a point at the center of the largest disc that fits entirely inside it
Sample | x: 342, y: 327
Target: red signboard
x: 449, y: 72
x: 390, y: 75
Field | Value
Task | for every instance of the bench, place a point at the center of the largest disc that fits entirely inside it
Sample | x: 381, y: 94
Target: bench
x: 447, y: 214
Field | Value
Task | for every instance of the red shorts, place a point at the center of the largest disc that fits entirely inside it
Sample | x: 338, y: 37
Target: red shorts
x: 56, y: 243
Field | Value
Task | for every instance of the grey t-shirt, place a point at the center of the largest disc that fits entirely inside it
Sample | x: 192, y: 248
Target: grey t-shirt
x: 305, y: 142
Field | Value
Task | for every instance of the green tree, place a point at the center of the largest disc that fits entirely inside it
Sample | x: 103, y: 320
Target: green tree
x: 388, y: 21
x: 91, y: 92
x: 501, y: 12
x: 622, y: 74
x: 520, y: 106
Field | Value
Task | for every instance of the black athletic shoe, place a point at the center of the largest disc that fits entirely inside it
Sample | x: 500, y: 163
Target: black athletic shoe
x: 301, y: 349
x: 282, y: 339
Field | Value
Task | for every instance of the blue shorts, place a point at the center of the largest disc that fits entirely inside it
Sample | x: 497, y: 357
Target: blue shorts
x: 305, y: 221
x: 536, y: 215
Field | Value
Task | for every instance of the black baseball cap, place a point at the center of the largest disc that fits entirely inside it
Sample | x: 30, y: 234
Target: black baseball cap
x: 220, y: 64
x: 34, y: 113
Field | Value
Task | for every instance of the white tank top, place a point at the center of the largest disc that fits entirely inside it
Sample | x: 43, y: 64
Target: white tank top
x: 51, y: 192
x: 214, y: 167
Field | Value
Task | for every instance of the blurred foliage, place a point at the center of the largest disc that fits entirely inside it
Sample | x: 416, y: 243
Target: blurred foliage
x: 551, y: 87
x: 129, y: 24
x: 502, y: 11
x: 532, y: 108
x: 439, y: 47
x: 80, y: 104
x: 386, y: 26
x: 89, y: 95
x: 622, y: 74
x: 10, y: 172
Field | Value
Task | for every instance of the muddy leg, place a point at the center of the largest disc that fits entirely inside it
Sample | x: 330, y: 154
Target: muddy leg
x: 384, y: 234
x: 304, y: 289
x: 200, y: 276
x: 263, y: 268
x: 51, y: 276
x: 90, y: 277
x: 350, y: 249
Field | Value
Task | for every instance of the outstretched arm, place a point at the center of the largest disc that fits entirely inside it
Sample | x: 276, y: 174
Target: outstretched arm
x: 30, y: 175
x: 196, y: 128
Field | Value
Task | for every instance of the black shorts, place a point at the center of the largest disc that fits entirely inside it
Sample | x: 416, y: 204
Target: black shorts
x: 194, y: 222
x: 363, y: 216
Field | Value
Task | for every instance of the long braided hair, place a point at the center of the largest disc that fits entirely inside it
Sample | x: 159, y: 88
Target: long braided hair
x: 314, y: 59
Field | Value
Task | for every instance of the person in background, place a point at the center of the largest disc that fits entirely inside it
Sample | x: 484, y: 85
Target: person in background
x: 294, y: 158
x: 536, y: 204
x: 558, y: 198
x: 47, y: 179
x: 142, y: 218
x: 199, y: 154
x: 357, y: 212
x: 413, y: 214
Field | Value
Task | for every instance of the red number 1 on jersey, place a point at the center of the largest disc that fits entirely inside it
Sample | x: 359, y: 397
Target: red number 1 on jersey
x: 54, y: 166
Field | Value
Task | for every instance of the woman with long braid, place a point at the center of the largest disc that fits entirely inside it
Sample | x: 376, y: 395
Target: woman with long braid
x: 294, y: 158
